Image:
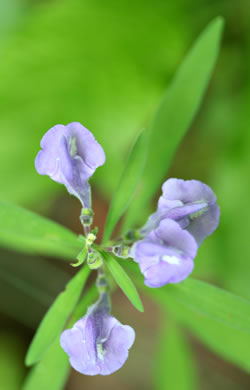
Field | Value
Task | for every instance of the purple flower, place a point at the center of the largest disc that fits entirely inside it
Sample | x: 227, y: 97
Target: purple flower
x: 189, y: 202
x: 98, y: 343
x: 70, y: 156
x: 166, y: 254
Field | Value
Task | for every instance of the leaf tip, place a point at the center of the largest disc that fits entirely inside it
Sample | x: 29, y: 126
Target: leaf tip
x: 139, y: 305
x: 218, y: 23
x: 141, y: 308
x: 29, y: 361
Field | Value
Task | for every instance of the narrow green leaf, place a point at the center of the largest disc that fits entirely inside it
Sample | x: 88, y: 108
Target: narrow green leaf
x: 228, y: 320
x: 175, y: 114
x: 123, y: 281
x: 128, y: 183
x: 212, y: 302
x: 27, y: 232
x: 207, y: 301
x: 90, y: 296
x: 229, y: 343
x: 53, y: 369
x: 51, y: 372
x: 56, y: 317
x: 174, y: 362
x: 211, y: 326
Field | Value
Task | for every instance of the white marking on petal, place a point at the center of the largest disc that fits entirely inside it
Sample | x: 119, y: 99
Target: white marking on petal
x: 171, y: 259
x: 198, y: 213
x: 100, y: 351
x: 73, y: 146
x: 180, y: 203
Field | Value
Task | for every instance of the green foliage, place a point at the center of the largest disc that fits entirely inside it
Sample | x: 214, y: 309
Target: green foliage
x: 128, y: 183
x: 98, y: 72
x: 12, y: 369
x: 227, y: 254
x: 123, y: 281
x: 29, y: 285
x: 113, y: 100
x: 229, y: 343
x: 56, y: 317
x: 213, y: 315
x: 27, y: 232
x: 52, y: 371
x: 175, y: 114
x: 212, y: 302
x: 173, y: 353
x: 10, y: 12
x: 89, y: 297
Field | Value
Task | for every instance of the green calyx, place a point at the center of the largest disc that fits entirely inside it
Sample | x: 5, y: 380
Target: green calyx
x: 94, y: 260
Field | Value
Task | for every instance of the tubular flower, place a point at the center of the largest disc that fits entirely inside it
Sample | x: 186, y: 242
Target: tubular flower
x: 70, y: 155
x: 166, y: 254
x: 191, y: 203
x: 98, y: 343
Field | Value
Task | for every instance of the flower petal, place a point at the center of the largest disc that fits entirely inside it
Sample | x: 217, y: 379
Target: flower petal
x: 168, y: 273
x: 174, y: 236
x: 187, y: 191
x: 166, y: 254
x: 117, y: 346
x: 204, y: 226
x: 98, y: 343
x: 70, y: 156
x: 88, y: 148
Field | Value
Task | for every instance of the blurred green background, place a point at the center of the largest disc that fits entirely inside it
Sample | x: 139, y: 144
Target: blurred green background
x: 106, y: 64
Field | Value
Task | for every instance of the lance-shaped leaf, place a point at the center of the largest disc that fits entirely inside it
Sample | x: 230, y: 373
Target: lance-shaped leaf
x: 128, y: 183
x: 53, y: 369
x: 175, y: 114
x: 56, y: 317
x: 51, y: 372
x: 123, y: 280
x: 206, y: 300
x: 28, y: 232
x: 212, y: 314
x: 174, y: 366
x: 212, y: 302
x: 229, y: 343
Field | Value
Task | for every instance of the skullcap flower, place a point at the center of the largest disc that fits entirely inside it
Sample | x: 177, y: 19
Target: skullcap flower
x: 98, y: 343
x: 70, y: 155
x: 166, y: 254
x: 189, y: 202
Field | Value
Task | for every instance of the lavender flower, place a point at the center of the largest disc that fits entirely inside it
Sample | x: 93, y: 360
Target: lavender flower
x: 166, y: 254
x: 70, y: 156
x: 191, y: 203
x: 98, y: 343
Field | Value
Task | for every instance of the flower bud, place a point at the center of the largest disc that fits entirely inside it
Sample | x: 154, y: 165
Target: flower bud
x: 121, y: 251
x: 86, y: 217
x: 94, y: 260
